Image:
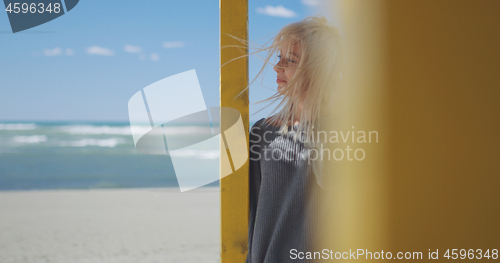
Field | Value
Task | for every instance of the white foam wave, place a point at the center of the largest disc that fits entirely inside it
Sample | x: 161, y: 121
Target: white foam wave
x: 110, y: 143
x: 30, y: 139
x: 17, y: 126
x: 96, y: 130
x: 187, y: 130
x: 126, y: 130
x: 199, y: 154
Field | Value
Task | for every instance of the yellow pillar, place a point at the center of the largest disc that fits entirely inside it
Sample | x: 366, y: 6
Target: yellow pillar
x: 444, y: 82
x: 424, y: 74
x: 233, y: 79
x: 358, y: 205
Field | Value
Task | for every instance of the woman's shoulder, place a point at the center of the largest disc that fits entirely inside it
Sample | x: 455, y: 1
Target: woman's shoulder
x: 258, y: 123
x: 257, y: 126
x: 261, y: 127
x: 263, y: 124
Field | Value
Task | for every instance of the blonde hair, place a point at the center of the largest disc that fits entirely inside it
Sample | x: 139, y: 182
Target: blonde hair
x: 316, y: 76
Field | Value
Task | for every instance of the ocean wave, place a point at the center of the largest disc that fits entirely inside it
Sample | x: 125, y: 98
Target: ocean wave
x: 110, y: 143
x: 199, y: 154
x: 96, y: 130
x: 126, y: 130
x: 17, y: 126
x: 30, y: 139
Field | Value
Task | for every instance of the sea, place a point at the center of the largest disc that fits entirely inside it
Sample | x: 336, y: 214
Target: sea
x: 86, y: 155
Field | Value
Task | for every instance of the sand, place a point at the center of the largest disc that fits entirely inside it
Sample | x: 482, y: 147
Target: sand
x: 111, y: 225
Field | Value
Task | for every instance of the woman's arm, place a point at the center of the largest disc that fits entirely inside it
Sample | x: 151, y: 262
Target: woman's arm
x: 254, y: 180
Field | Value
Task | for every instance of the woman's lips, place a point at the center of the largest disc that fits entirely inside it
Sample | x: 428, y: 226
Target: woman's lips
x: 279, y: 81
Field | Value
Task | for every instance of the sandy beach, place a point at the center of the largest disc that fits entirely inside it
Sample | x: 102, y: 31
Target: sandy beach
x: 110, y: 225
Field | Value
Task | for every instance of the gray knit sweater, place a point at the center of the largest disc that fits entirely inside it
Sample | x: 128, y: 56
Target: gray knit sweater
x: 282, y: 203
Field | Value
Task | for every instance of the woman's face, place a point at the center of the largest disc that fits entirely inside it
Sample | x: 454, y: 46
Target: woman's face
x: 286, y: 66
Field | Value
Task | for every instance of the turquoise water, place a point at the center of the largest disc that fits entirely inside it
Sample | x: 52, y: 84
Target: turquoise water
x: 77, y: 155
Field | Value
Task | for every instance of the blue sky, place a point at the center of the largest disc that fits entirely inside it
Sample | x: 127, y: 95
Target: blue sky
x: 85, y: 65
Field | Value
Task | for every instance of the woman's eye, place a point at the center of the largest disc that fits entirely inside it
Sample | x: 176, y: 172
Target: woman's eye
x: 288, y: 60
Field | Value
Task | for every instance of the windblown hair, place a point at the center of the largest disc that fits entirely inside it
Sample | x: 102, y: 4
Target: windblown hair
x: 316, y: 76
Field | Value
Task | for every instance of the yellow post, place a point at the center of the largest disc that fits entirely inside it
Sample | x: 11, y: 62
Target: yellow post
x: 233, y: 79
x: 424, y: 74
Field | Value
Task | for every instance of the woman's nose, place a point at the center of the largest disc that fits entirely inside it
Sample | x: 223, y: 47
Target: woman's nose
x: 278, y: 67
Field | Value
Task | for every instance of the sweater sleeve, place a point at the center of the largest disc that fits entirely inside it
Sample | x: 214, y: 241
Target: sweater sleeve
x: 254, y: 181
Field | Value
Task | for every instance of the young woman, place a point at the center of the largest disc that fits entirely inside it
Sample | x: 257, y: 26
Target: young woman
x: 284, y: 182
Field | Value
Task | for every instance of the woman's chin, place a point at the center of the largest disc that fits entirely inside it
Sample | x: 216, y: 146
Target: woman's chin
x: 280, y: 89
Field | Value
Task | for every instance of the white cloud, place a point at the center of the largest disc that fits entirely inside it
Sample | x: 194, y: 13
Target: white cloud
x: 311, y: 2
x: 132, y: 49
x: 53, y: 52
x: 154, y: 57
x: 279, y: 11
x: 97, y: 50
x: 57, y: 51
x: 173, y: 44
